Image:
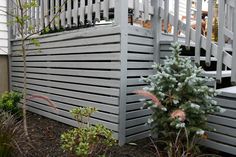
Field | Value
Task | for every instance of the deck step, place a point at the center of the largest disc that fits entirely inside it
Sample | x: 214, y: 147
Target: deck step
x: 225, y: 73
x: 228, y: 92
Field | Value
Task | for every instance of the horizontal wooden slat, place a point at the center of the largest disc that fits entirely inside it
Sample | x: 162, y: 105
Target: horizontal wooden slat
x: 81, y: 33
x: 223, y: 129
x: 138, y: 31
x: 138, y: 136
x: 71, y: 72
x: 222, y: 120
x: 72, y: 50
x: 67, y: 120
x: 81, y: 65
x: 226, y: 102
x: 139, y: 73
x: 82, y: 80
x: 76, y: 102
x: 63, y: 109
x: 222, y: 138
x: 75, y: 94
x: 138, y: 113
x: 140, y: 40
x: 140, y: 48
x: 137, y: 56
x: 68, y: 57
x: 219, y: 146
x: 136, y: 121
x: 134, y: 106
x: 75, y: 42
x: 140, y: 65
x: 137, y: 129
x: 69, y: 86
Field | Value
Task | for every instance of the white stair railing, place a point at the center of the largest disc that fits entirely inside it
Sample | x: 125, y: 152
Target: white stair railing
x: 226, y: 29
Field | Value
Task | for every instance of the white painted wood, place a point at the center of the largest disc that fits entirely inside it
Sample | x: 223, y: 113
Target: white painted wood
x: 69, y: 13
x: 75, y: 12
x: 37, y: 16
x: 106, y: 9
x: 52, y: 14
x: 176, y: 21
x: 146, y: 10
x: 63, y: 13
x: 57, y: 15
x: 3, y: 28
x: 97, y: 10
x: 209, y: 31
x: 29, y: 14
x: 46, y: 12
x: 198, y: 33
x: 233, y: 76
x: 221, y: 39
x: 33, y: 17
x: 188, y: 23
x: 166, y: 14
x: 82, y: 12
x: 90, y: 12
x: 157, y: 24
x: 136, y: 9
x: 42, y: 14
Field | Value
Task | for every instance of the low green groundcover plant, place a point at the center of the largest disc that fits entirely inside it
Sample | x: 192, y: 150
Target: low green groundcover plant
x: 181, y: 102
x: 9, y: 102
x: 86, y: 140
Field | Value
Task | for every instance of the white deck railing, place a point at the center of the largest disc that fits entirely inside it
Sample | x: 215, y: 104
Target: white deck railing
x: 80, y: 13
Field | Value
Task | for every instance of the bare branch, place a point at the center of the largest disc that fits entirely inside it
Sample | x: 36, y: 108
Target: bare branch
x: 50, y: 22
x: 1, y: 49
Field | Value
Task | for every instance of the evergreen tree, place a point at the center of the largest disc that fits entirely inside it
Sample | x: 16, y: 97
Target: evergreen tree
x: 179, y: 98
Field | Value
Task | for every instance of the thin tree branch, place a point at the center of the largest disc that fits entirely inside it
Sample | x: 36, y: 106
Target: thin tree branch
x: 50, y: 22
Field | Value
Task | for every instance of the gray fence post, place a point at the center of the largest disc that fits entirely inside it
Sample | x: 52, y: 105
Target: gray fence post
x: 121, y: 19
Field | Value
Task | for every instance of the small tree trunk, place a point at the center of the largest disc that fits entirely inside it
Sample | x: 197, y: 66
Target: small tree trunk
x: 24, y: 89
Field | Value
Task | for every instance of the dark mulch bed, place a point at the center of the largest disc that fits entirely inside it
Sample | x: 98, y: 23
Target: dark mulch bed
x: 45, y: 141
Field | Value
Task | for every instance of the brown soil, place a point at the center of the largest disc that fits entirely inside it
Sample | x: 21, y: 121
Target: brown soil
x: 45, y: 141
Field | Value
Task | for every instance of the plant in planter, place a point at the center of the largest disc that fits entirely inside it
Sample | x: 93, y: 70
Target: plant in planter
x: 9, y: 102
x: 86, y: 140
x: 181, y: 101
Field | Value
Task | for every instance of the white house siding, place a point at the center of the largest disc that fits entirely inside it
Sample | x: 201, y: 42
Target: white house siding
x: 3, y: 47
x: 3, y: 28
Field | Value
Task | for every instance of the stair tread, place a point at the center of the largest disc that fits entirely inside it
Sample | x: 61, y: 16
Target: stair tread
x: 228, y: 92
x: 225, y: 73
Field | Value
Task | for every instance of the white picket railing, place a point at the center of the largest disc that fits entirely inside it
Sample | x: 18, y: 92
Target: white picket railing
x: 59, y: 14
x: 226, y: 30
x: 79, y: 13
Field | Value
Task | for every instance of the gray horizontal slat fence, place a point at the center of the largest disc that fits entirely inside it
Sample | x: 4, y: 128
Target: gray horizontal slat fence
x: 73, y: 69
x: 140, y: 60
x: 224, y: 138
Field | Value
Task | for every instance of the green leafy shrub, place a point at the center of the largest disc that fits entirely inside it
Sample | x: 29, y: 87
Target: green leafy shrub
x: 181, y: 102
x: 9, y: 102
x: 86, y: 140
x: 10, y: 134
